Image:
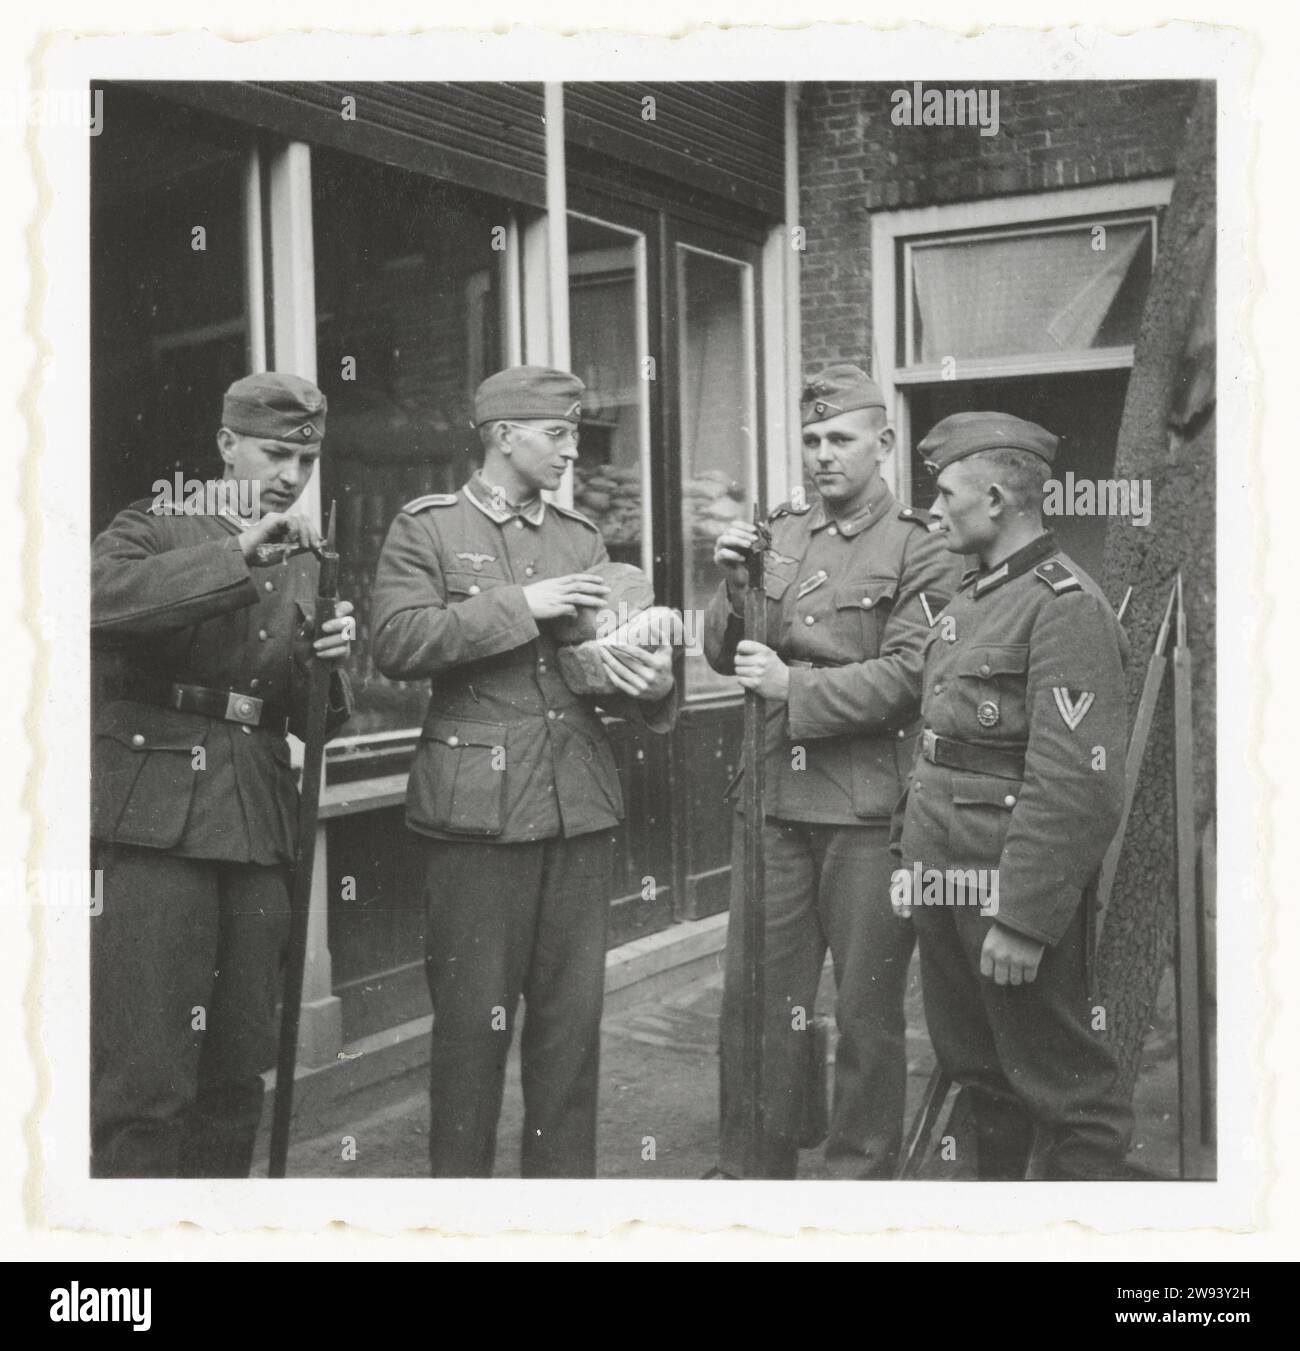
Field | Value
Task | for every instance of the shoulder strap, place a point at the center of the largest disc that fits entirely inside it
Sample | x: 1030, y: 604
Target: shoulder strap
x: 789, y: 509
x: 574, y: 516
x: 418, y: 504
x: 919, y: 516
x: 1058, y: 575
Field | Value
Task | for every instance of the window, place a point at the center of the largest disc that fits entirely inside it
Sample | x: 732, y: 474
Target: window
x: 169, y: 326
x: 1065, y: 288
x: 1030, y: 305
x: 409, y: 320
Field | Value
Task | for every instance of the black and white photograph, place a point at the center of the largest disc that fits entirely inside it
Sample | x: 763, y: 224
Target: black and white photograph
x: 650, y: 621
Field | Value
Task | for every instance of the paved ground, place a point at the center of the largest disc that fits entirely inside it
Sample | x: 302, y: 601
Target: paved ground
x: 659, y: 1092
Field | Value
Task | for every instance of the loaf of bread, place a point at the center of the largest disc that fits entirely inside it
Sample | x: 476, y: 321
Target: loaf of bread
x: 630, y: 591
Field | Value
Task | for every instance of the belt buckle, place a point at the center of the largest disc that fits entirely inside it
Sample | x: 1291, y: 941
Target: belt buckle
x: 243, y: 708
x: 928, y: 742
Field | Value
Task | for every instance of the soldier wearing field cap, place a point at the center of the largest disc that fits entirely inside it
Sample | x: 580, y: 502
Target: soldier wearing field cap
x: 854, y: 582
x: 200, y: 649
x: 514, y: 793
x: 1021, y: 780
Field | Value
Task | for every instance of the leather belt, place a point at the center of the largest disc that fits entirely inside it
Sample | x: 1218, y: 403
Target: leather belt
x: 943, y: 750
x: 228, y: 705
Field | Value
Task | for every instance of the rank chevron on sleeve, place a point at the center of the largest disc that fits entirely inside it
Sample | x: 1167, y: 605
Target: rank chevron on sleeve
x: 1072, y: 705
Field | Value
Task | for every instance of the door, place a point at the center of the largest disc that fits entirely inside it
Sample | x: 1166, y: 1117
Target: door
x: 716, y: 462
x: 677, y: 303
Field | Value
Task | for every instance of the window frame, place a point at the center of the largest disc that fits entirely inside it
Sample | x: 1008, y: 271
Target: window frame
x: 894, y: 233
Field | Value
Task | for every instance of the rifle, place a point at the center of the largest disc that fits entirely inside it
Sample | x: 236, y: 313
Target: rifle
x: 752, y: 910
x: 1137, y: 746
x: 318, y: 685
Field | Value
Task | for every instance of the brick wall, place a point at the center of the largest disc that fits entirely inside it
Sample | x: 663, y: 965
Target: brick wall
x: 853, y: 160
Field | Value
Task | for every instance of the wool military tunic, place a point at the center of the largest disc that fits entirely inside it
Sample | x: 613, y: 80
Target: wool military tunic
x: 507, y: 752
x: 1027, y: 663
x: 850, y: 604
x: 174, y: 601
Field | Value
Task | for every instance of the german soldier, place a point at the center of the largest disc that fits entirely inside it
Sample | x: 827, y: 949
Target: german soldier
x: 514, y: 791
x: 854, y: 581
x: 200, y: 654
x: 1019, y: 785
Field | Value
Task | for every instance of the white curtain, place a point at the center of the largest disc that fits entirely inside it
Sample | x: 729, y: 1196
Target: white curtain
x: 1020, y: 295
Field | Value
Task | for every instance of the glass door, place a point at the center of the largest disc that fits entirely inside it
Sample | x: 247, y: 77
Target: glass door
x: 718, y: 424
x: 608, y: 343
x: 714, y: 464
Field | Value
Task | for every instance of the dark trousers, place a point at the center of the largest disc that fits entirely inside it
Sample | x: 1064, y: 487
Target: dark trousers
x: 185, y: 961
x: 826, y: 887
x: 506, y: 920
x: 1034, y: 1072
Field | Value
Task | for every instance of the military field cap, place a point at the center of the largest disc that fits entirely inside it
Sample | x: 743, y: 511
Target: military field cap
x: 838, y: 389
x: 965, y: 434
x: 282, y: 407
x: 529, y: 392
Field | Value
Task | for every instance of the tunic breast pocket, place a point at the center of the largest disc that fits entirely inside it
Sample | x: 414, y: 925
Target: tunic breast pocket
x: 981, y: 816
x: 992, y: 686
x: 776, y: 580
x: 862, y: 608
x: 458, y: 778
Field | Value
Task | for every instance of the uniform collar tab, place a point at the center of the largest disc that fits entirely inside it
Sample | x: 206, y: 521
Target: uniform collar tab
x: 868, y: 515
x: 1017, y: 563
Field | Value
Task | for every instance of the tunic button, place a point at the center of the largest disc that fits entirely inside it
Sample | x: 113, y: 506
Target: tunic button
x: 541, y: 668
x: 519, y: 525
x: 834, y: 530
x: 550, y: 713
x: 475, y: 589
x: 984, y: 670
x: 453, y: 741
x: 902, y: 733
x: 529, y: 570
x: 938, y: 689
x: 246, y: 729
x: 255, y: 682
x: 268, y: 586
x: 810, y: 619
x: 866, y: 602
x: 137, y: 740
x: 1010, y: 799
x: 263, y: 635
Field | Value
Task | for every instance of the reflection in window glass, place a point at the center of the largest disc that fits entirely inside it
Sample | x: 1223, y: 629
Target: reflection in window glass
x: 605, y: 340
x: 168, y: 329
x: 717, y: 424
x: 408, y: 324
x: 1068, y: 290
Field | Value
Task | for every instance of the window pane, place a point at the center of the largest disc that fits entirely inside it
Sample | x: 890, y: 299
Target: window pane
x: 168, y: 331
x: 1024, y: 295
x: 605, y: 325
x: 717, y: 428
x: 407, y: 303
